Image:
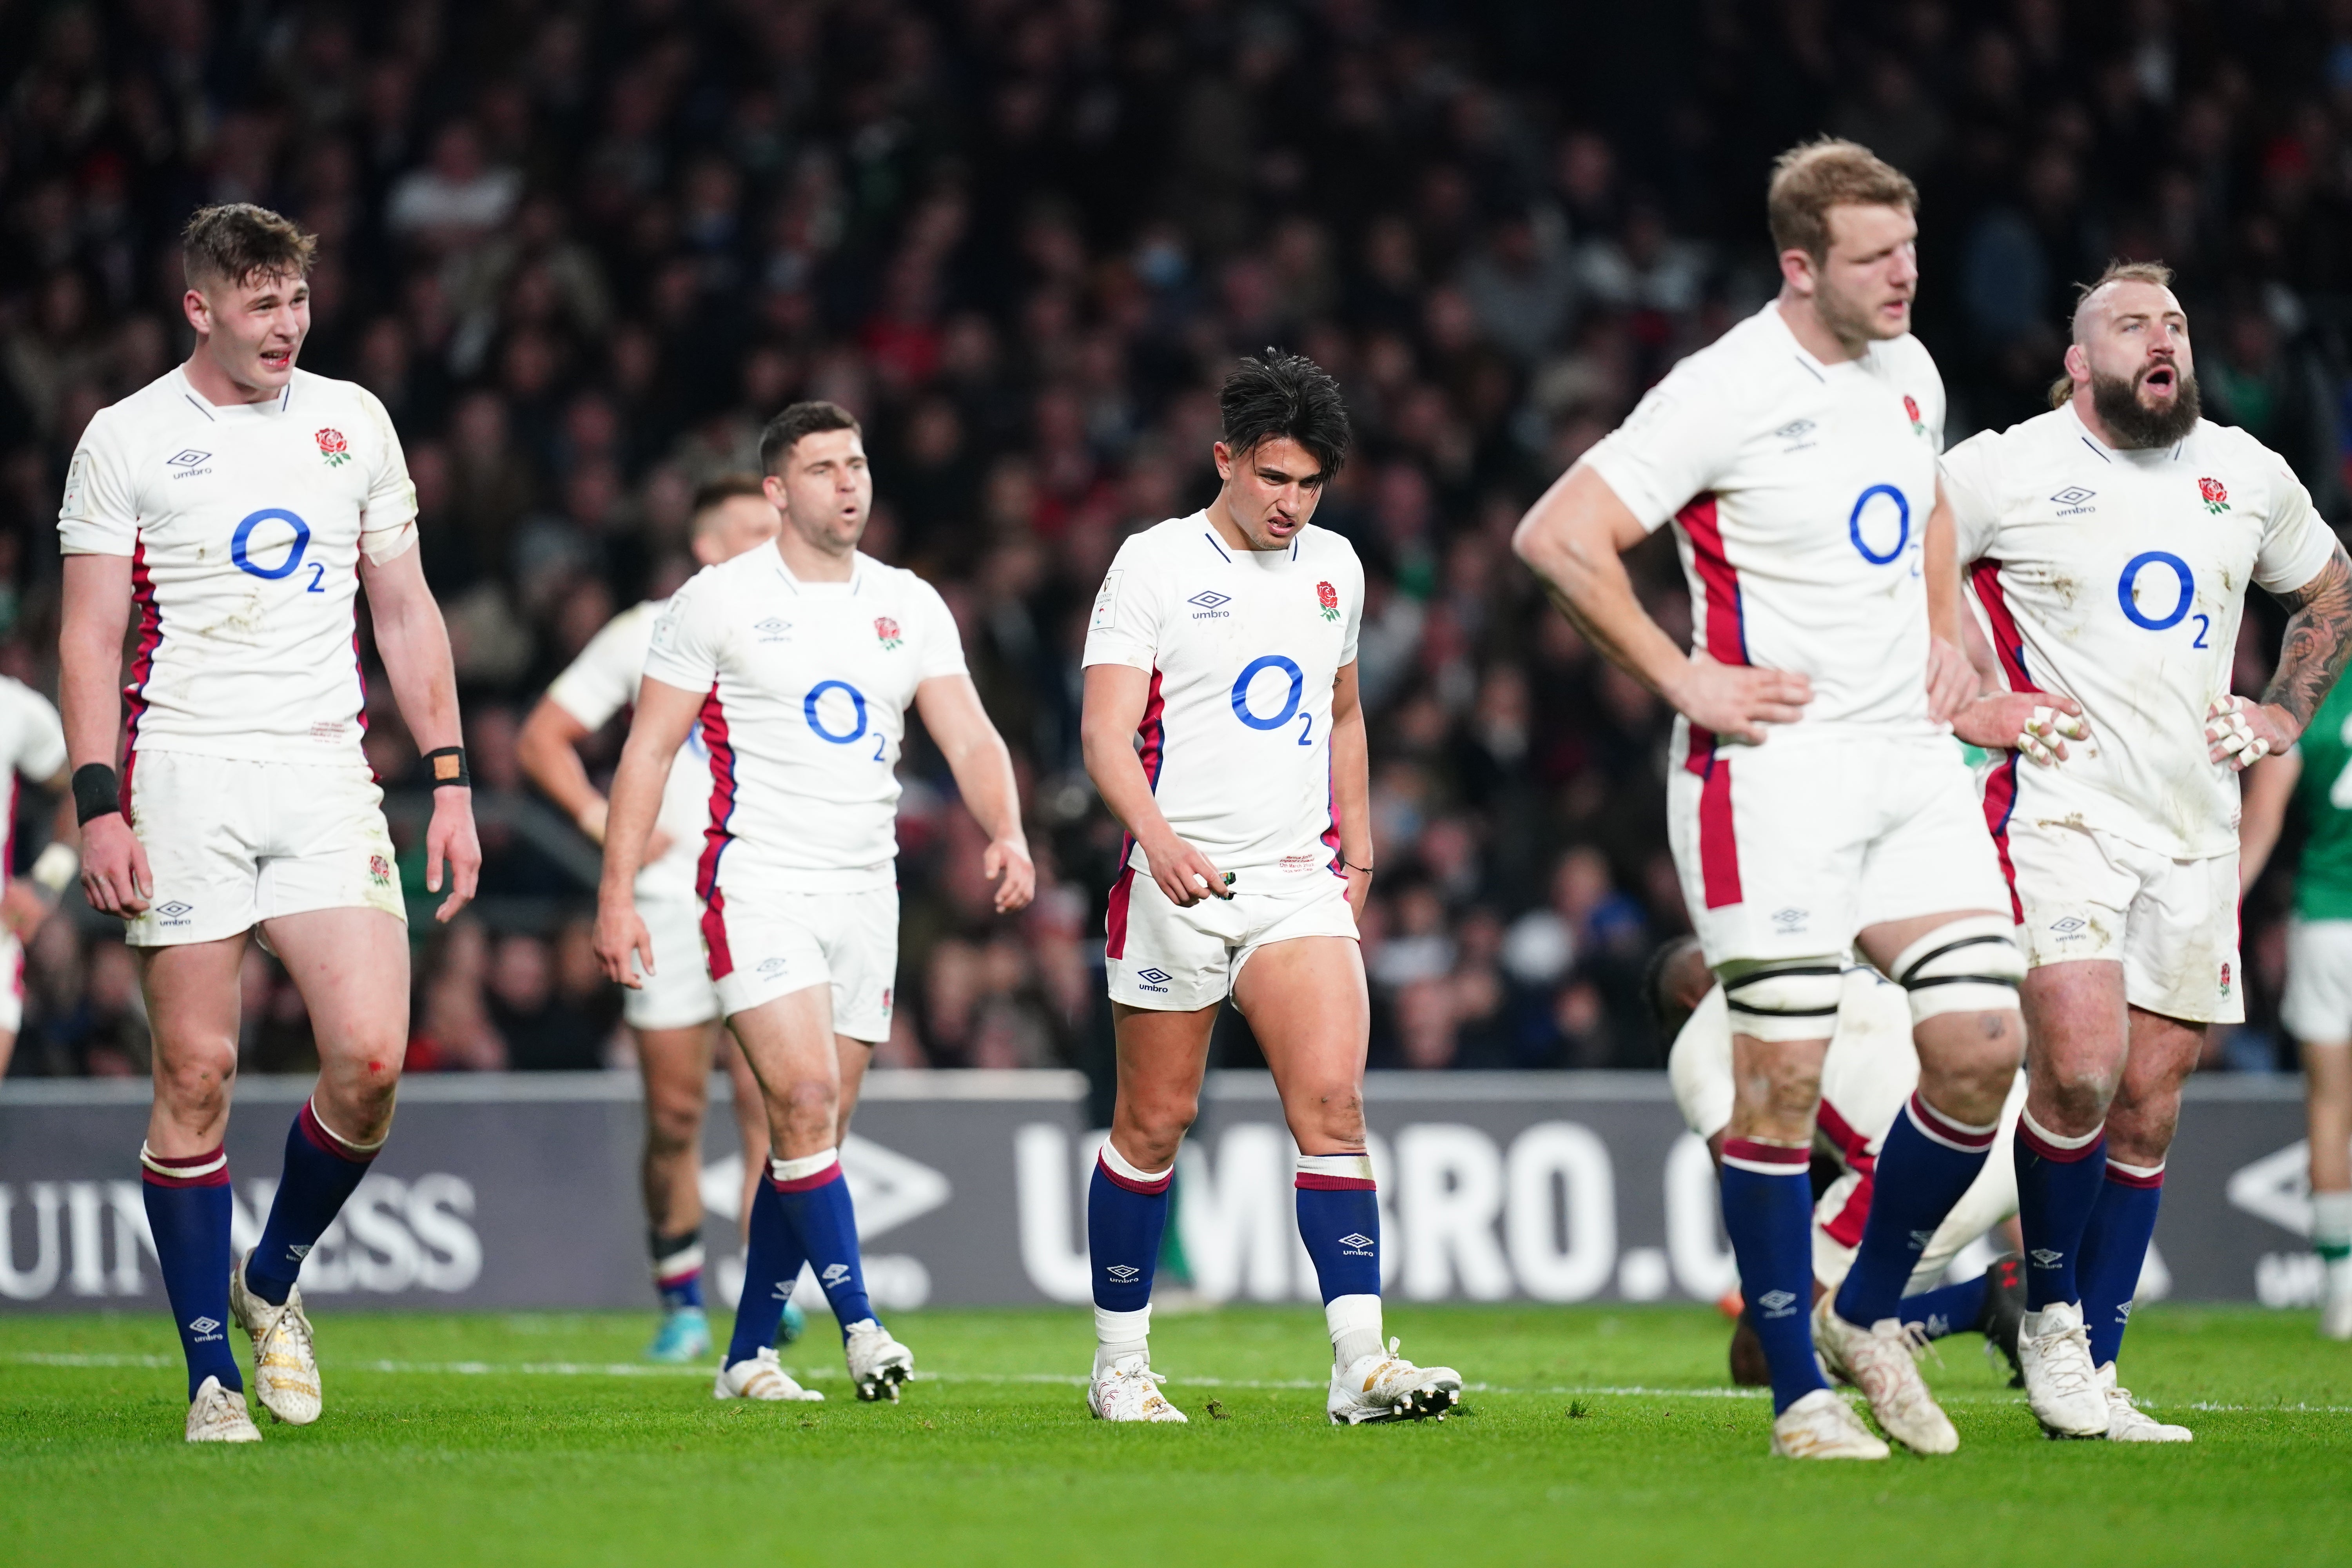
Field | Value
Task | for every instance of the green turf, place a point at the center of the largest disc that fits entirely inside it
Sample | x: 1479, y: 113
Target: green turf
x: 1591, y: 1434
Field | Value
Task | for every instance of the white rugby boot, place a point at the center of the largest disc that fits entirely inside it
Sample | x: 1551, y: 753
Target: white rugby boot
x: 877, y: 1363
x: 2128, y: 1423
x: 1882, y: 1362
x: 285, y: 1367
x: 2061, y: 1384
x: 1384, y: 1386
x: 1128, y: 1390
x: 761, y: 1378
x: 1821, y: 1425
x: 217, y: 1415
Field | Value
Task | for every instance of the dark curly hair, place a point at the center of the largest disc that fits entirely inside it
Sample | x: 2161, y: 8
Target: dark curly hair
x: 1273, y: 394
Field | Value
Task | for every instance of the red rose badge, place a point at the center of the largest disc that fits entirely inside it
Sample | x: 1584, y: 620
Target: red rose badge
x: 1328, y: 598
x: 886, y: 630
x: 333, y: 448
x: 2216, y: 498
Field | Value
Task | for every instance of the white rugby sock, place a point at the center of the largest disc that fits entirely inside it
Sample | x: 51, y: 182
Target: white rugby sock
x: 1355, y: 1325
x: 1120, y: 1333
x: 2331, y: 1238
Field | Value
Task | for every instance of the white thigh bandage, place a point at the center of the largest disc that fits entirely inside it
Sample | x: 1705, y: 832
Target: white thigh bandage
x: 1784, y: 998
x: 1969, y: 965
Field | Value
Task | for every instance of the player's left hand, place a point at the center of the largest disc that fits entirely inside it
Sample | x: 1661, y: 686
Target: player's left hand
x: 1007, y: 863
x: 1359, y: 891
x: 1951, y: 680
x: 22, y: 907
x: 2240, y: 732
x: 451, y: 840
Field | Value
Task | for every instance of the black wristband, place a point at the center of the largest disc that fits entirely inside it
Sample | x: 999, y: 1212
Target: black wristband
x: 95, y: 791
x: 447, y: 768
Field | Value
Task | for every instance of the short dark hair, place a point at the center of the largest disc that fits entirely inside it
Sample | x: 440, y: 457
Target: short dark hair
x: 785, y: 430
x: 1273, y: 394
x: 1810, y: 178
x: 236, y: 241
x: 716, y: 492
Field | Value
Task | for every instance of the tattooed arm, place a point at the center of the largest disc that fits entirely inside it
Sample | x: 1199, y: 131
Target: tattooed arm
x: 2311, y: 656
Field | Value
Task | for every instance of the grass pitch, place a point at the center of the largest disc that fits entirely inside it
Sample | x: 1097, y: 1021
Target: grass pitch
x: 1591, y: 1434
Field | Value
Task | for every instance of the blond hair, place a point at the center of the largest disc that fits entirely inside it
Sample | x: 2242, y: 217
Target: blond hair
x: 1810, y: 178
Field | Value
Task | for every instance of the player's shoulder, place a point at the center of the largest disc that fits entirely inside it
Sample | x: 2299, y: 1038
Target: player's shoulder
x: 17, y: 698
x: 1167, y: 539
x: 140, y: 415
x: 887, y: 582
x: 1906, y: 357
x: 1327, y: 549
x: 2212, y: 443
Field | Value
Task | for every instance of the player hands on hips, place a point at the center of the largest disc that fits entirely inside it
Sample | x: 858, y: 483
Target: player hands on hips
x: 242, y: 504
x: 1222, y: 728
x: 800, y: 660
x: 1816, y: 800
x: 2113, y: 539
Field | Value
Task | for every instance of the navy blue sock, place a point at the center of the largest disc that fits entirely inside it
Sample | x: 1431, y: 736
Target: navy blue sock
x: 1768, y: 1212
x: 1925, y: 1162
x: 188, y: 1209
x: 816, y: 1205
x: 1945, y: 1310
x: 771, y: 1266
x: 678, y: 1268
x: 322, y: 1171
x: 2058, y: 1183
x: 2114, y: 1249
x: 1127, y: 1211
x: 1339, y: 1221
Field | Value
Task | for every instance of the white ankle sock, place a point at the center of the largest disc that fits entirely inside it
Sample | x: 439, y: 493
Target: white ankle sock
x: 1355, y: 1325
x: 1121, y: 1333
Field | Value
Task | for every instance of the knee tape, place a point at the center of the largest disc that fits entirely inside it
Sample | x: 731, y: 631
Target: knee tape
x: 1784, y: 999
x: 1969, y: 965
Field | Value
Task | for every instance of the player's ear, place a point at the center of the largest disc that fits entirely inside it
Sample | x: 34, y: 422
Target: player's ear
x: 2078, y: 363
x: 199, y: 311
x: 1797, y: 269
x: 1224, y: 457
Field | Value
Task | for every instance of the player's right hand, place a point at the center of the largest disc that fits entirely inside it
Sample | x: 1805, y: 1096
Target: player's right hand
x: 22, y: 907
x: 1185, y: 874
x: 1737, y: 700
x: 115, y: 877
x: 2038, y: 723
x: 620, y: 936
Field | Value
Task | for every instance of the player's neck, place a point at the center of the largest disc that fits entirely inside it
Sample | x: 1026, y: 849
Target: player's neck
x: 1813, y: 334
x: 1221, y: 518
x: 215, y: 385
x: 810, y: 563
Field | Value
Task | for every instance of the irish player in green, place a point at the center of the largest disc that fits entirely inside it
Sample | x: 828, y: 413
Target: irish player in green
x: 2317, y: 774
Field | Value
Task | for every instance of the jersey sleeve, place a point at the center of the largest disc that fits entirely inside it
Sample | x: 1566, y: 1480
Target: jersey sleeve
x: 2297, y: 540
x: 388, y: 518
x: 41, y: 742
x: 1677, y: 444
x: 603, y: 679
x: 938, y: 649
x: 689, y: 638
x: 1970, y: 485
x: 100, y: 513
x: 1125, y: 625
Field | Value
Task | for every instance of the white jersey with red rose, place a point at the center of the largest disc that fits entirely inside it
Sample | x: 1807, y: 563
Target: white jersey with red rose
x: 244, y: 525
x: 1241, y: 647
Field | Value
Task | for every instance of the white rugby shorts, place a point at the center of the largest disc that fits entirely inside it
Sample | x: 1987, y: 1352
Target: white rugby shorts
x: 678, y: 994
x: 233, y: 843
x: 2317, y: 1006
x: 1787, y: 849
x: 1173, y: 960
x: 2085, y: 893
x: 760, y: 947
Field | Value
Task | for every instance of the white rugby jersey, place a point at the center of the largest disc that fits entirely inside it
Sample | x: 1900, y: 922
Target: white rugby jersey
x: 1799, y: 493
x: 32, y: 746
x: 601, y: 682
x: 807, y: 686
x: 1242, y: 647
x: 2119, y: 578
x: 244, y: 525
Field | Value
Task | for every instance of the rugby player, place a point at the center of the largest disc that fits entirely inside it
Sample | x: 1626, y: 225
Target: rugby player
x: 1868, y: 1073
x: 675, y: 1015
x: 2112, y: 540
x: 2317, y: 1007
x: 800, y: 660
x: 1815, y: 802
x: 32, y: 746
x: 1221, y: 727
x: 242, y: 504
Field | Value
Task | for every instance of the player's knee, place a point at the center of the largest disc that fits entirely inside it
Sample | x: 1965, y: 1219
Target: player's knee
x: 1157, y: 1128
x: 810, y: 1100
x: 1783, y: 999
x: 1970, y: 964
x: 672, y: 1126
x: 1328, y: 1118
x: 193, y: 1086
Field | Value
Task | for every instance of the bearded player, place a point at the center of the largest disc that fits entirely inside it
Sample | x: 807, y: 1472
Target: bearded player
x: 242, y: 505
x: 2112, y: 540
x: 1815, y: 802
x: 676, y: 1014
x: 1223, y: 727
x: 800, y: 660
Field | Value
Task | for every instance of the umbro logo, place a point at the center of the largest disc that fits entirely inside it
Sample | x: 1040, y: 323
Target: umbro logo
x: 771, y: 628
x: 1355, y: 1239
x: 1122, y: 1272
x: 783, y: 1290
x: 2046, y: 1257
x: 1157, y: 976
x: 1920, y: 1239
x: 1791, y: 920
x: 2068, y: 925
x: 834, y: 1273
x: 774, y: 967
x: 1209, y: 599
x: 1777, y: 1303
x: 297, y: 1251
x: 187, y: 458
x: 1794, y: 430
x: 176, y: 912
x: 205, y: 1328
x: 2073, y: 495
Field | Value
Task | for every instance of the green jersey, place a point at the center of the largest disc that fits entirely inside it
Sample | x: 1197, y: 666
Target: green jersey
x: 2324, y: 885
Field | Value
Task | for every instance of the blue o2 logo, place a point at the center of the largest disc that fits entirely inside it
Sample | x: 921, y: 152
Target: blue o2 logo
x: 1257, y: 668
x: 2127, y: 591
x: 1902, y: 523
x: 810, y: 706
x: 242, y: 542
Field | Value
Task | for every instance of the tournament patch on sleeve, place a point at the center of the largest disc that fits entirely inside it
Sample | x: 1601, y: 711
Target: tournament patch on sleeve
x: 75, y: 508
x: 1106, y: 617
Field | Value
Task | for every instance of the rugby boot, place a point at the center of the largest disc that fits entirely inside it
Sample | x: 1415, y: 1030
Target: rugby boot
x: 684, y: 1336
x: 878, y: 1364
x: 1882, y: 1362
x: 1128, y: 1390
x: 1384, y: 1386
x: 284, y: 1366
x: 761, y: 1378
x: 2061, y: 1384
x: 2128, y: 1423
x: 216, y: 1415
x: 1821, y: 1425
x: 2004, y: 1309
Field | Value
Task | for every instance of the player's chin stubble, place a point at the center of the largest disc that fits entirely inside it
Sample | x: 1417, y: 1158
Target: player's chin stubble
x: 2135, y: 424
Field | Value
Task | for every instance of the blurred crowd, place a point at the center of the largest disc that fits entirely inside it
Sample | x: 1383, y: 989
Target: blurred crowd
x: 583, y: 251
